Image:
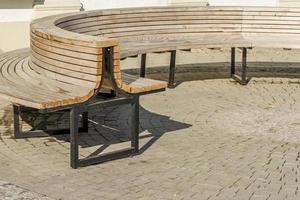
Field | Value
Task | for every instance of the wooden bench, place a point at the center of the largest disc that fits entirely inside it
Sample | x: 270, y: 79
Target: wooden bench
x: 167, y: 29
x: 74, y: 57
x: 65, y: 71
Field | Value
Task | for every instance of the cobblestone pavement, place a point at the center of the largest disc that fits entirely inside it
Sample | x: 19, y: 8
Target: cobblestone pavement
x: 9, y: 191
x: 210, y: 139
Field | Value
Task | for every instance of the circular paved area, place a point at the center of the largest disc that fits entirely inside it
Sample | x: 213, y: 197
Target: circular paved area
x: 210, y: 139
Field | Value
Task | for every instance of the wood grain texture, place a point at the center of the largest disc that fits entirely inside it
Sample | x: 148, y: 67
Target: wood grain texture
x: 146, y: 30
x: 64, y: 63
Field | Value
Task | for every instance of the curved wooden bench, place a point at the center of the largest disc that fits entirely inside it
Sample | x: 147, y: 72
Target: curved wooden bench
x: 73, y: 57
x: 148, y: 30
x: 189, y: 27
x: 64, y: 70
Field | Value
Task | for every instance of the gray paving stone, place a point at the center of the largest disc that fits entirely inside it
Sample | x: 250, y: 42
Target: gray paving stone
x: 210, y: 139
x: 9, y: 191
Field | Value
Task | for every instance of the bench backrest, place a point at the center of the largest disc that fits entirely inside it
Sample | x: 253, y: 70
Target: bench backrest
x: 66, y: 56
x: 271, y: 20
x: 130, y: 23
x: 64, y: 47
x: 136, y: 23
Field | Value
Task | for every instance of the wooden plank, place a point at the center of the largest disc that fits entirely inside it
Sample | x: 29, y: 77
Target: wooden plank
x: 60, y: 74
x: 67, y: 53
x: 64, y: 64
x: 71, y: 47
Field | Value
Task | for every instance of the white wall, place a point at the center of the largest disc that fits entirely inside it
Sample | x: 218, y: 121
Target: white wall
x: 243, y: 2
x: 105, y: 4
x: 14, y: 13
x: 15, y: 10
x: 15, y: 16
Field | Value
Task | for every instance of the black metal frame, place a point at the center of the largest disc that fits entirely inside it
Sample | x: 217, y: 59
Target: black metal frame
x: 171, y: 83
x: 19, y: 133
x: 172, y: 67
x: 120, y: 98
x: 243, y: 80
x: 134, y: 130
x: 143, y: 65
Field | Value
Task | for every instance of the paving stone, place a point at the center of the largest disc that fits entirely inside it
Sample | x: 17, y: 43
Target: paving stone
x: 9, y: 191
x: 211, y: 139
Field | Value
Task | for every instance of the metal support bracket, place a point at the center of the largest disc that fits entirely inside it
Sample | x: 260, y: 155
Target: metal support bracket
x: 134, y: 137
x: 171, y: 83
x: 243, y: 80
x: 143, y: 65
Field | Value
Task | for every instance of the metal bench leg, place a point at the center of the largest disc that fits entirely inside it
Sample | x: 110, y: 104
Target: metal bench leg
x: 172, y: 69
x: 244, y: 67
x: 85, y: 122
x: 143, y: 65
x: 118, y: 154
x: 74, y: 137
x: 17, y: 126
x: 243, y: 80
x: 232, y: 61
x: 135, y: 124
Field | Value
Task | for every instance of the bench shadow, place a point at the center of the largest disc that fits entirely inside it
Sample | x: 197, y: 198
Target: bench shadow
x: 107, y: 127
x: 110, y: 126
x: 221, y: 70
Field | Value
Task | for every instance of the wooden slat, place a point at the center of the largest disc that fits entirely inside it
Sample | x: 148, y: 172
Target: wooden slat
x: 71, y: 47
x: 150, y: 16
x: 67, y: 53
x: 63, y: 64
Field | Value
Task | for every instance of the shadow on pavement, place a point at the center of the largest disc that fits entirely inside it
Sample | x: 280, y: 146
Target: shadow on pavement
x: 107, y: 127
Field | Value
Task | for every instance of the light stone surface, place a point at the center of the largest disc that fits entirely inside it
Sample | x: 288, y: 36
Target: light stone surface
x: 9, y: 191
x: 211, y: 139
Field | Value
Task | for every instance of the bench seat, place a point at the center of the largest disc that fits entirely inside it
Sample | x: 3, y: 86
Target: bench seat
x: 22, y: 85
x: 220, y: 40
x: 152, y: 44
